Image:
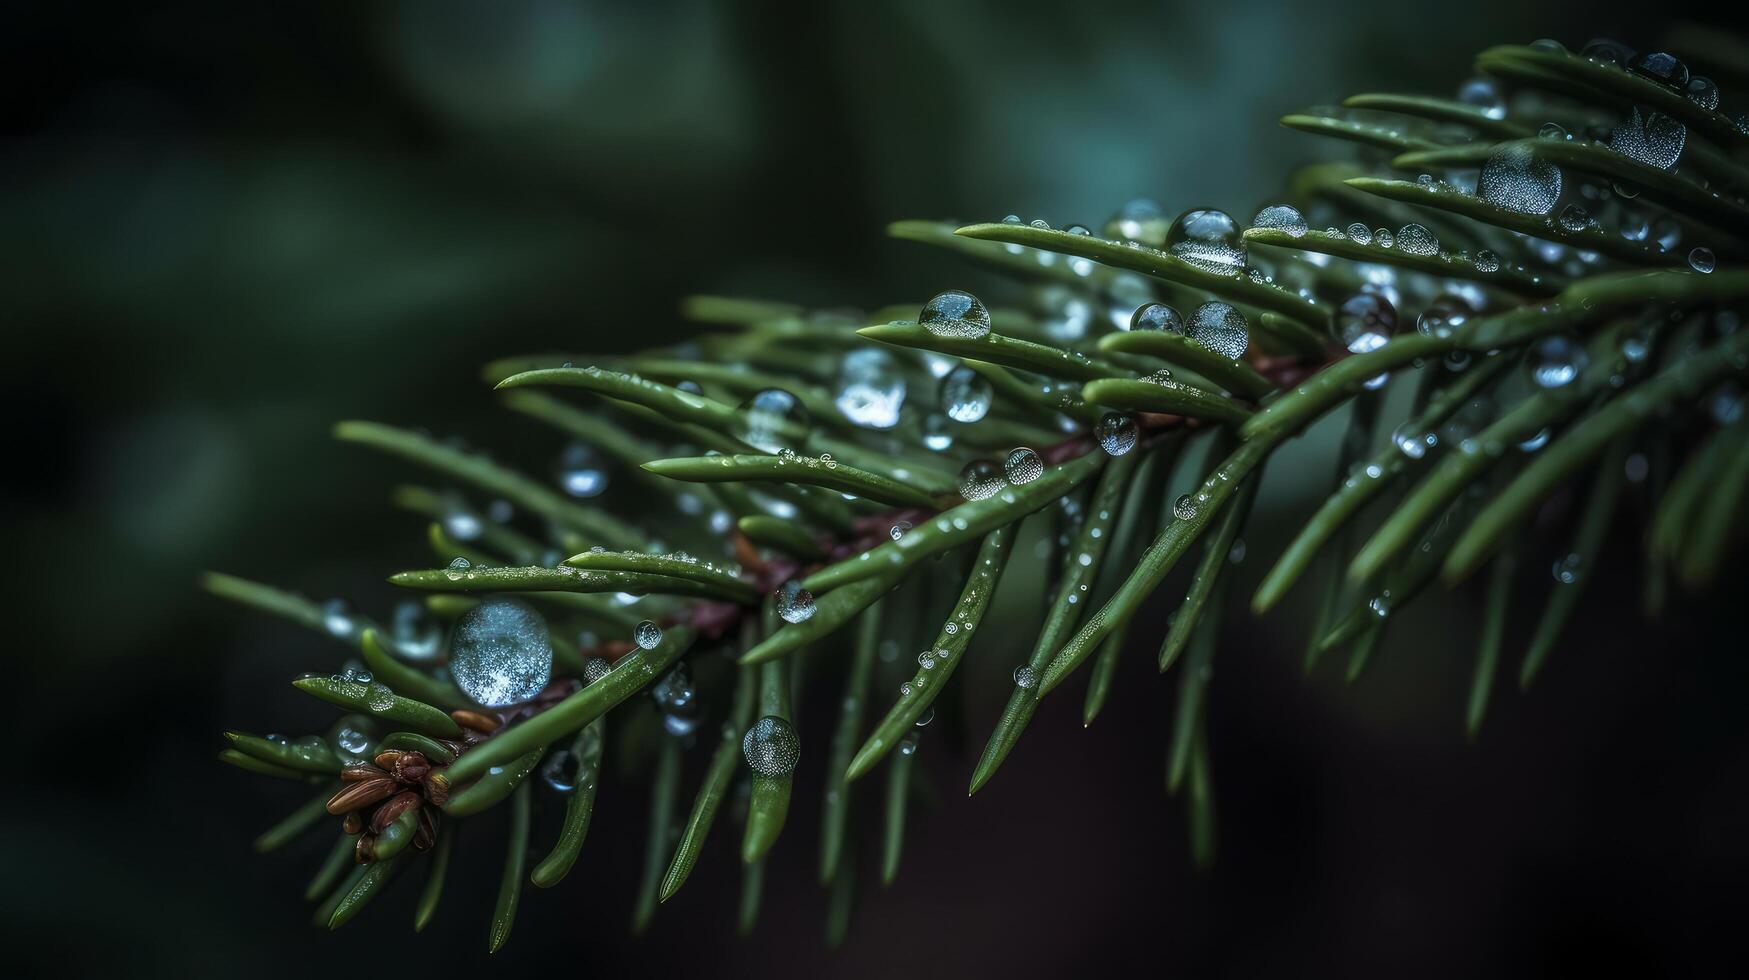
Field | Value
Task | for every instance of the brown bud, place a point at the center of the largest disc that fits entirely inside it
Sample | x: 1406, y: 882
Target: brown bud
x: 425, y: 834
x: 398, y: 804
x: 387, y: 758
x: 473, y: 719
x: 365, y: 850
x: 354, y: 823
x: 360, y: 772
x: 411, y: 767
x: 437, y: 787
x: 354, y: 796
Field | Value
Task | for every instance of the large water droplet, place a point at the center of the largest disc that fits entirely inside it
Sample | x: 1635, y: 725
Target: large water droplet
x: 1703, y: 92
x: 1484, y: 94
x: 955, y: 314
x: 871, y: 388
x: 1184, y: 508
x: 1557, y: 361
x: 965, y: 395
x: 1140, y: 220
x: 774, y: 420
x: 1516, y: 179
x: 1360, y: 233
x: 771, y: 747
x: 1281, y: 217
x: 794, y: 603
x: 647, y: 635
x: 1661, y: 66
x: 1025, y: 677
x: 980, y: 479
x: 417, y: 635
x: 595, y: 668
x: 1574, y: 219
x: 1487, y: 261
x: 1207, y: 239
x: 580, y: 471
x: 1701, y: 259
x: 1442, y: 316
x: 1023, y: 466
x: 937, y: 434
x: 1653, y: 139
x: 677, y: 699
x: 500, y: 652
x: 1416, y: 240
x: 1364, y: 322
x: 1220, y: 328
x: 1116, y: 432
x: 1157, y: 316
x: 457, y: 568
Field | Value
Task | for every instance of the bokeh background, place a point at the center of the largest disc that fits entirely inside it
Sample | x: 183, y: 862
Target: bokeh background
x: 225, y: 227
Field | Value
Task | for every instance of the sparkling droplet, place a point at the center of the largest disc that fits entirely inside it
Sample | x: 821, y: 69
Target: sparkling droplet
x: 771, y: 747
x: 647, y: 635
x: 1140, y: 220
x: 1383, y: 238
x: 1653, y: 139
x: 1537, y: 441
x: 794, y: 603
x: 1516, y: 179
x: 1700, y: 259
x: 677, y: 699
x: 1281, y: 217
x: 1207, y: 239
x: 1574, y: 219
x: 351, y: 743
x: 580, y: 472
x: 898, y: 529
x: 1361, y: 234
x: 1557, y: 361
x: 955, y: 314
x: 1184, y: 508
x: 1552, y: 131
x: 1416, y: 240
x: 417, y: 635
x: 908, y: 743
x: 1661, y: 66
x: 1023, y: 466
x: 1484, y: 94
x: 1487, y: 261
x: 1116, y: 433
x: 980, y: 479
x: 937, y: 434
x: 457, y: 568
x: 1566, y: 569
x: 1025, y: 677
x: 1412, y: 443
x: 774, y: 420
x: 500, y: 652
x: 871, y: 388
x: 1442, y: 316
x: 595, y: 668
x: 1157, y: 316
x: 1220, y: 328
x: 1365, y: 321
x: 559, y: 772
x: 965, y: 395
x: 1702, y: 92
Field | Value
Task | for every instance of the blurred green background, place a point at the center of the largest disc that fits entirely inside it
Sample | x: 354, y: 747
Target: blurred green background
x: 225, y: 227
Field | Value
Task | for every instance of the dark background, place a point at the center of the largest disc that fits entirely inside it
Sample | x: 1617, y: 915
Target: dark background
x: 224, y: 227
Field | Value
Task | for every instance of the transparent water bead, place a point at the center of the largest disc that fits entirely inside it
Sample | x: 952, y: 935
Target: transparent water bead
x: 1536, y: 441
x: 459, y: 521
x: 1157, y: 316
x: 1281, y: 217
x: 1661, y: 66
x: 559, y: 772
x: 350, y: 741
x: 1653, y: 139
x: 457, y: 568
x: 1364, y: 322
x: 1360, y: 234
x: 1412, y: 443
x: 1552, y: 131
x: 1702, y: 92
x: 1484, y: 94
x: 1417, y: 240
x: 500, y: 652
x: 1443, y: 316
x: 1516, y: 179
x: 1487, y: 261
x: 898, y: 529
x: 1701, y: 259
x: 1023, y: 466
x: 1207, y: 239
x: 937, y: 434
x: 595, y: 668
x: 1383, y: 238
x: 774, y: 420
x: 1184, y: 508
x: 677, y: 699
x: 1609, y: 51
x: 871, y: 388
x: 965, y: 395
x: 771, y: 747
x: 1116, y: 432
x: 1220, y: 328
x: 647, y: 635
x: 1575, y: 219
x: 337, y: 618
x: 1566, y: 569
x: 417, y: 635
x: 794, y: 603
x: 980, y: 479
x: 1025, y: 677
x: 1557, y: 361
x: 1140, y: 220
x: 955, y: 314
x: 580, y: 471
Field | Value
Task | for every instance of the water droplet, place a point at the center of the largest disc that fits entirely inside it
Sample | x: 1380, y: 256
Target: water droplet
x: 350, y: 742
x: 871, y: 388
x: 955, y: 314
x: 1184, y: 508
x: 579, y: 470
x: 1653, y: 139
x: 1417, y: 240
x: 559, y: 772
x: 1552, y: 131
x: 1556, y: 361
x: 1566, y: 569
x: 1702, y: 92
x: 980, y: 479
x: 595, y: 668
x: 1443, y: 316
x: 1516, y: 179
x: 1605, y: 50
x: 1220, y: 328
x: 417, y: 635
x: 1157, y: 316
x: 647, y: 635
x: 1365, y: 322
x: 1536, y: 441
x: 908, y: 743
x: 1700, y: 259
x: 1281, y: 217
x: 771, y: 747
x: 1236, y: 554
x: 965, y: 395
x: 1636, y: 467
x: 898, y: 529
x: 1140, y: 220
x: 1116, y: 433
x: 1574, y: 219
x: 1412, y: 442
x: 1025, y: 677
x: 677, y: 699
x: 926, y: 660
x: 1023, y: 466
x: 1661, y: 66
x: 922, y: 721
x: 1383, y: 238
x: 794, y: 603
x: 1487, y: 261
x: 937, y: 434
x: 774, y: 420
x: 1361, y: 234
x: 1207, y: 239
x: 456, y: 569
x: 459, y: 522
x: 337, y: 618
x: 500, y: 652
x: 1484, y: 94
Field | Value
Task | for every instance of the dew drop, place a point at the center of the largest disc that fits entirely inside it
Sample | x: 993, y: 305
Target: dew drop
x: 1361, y: 234
x: 1653, y: 139
x: 1701, y: 259
x: 937, y: 434
x: 559, y: 772
x: 1702, y: 92
x: 794, y: 603
x: 1516, y: 179
x: 965, y: 395
x: 595, y: 668
x: 1023, y: 466
x: 1557, y: 361
x: 417, y: 635
x: 871, y: 388
x: 456, y: 569
x: 337, y: 619
x: 1661, y: 66
x: 898, y: 529
x: 1574, y: 219
x: 1417, y: 240
x: 579, y: 470
x: 1536, y: 441
x: 1116, y: 432
x: 1487, y: 261
x: 1157, y: 316
x: 771, y: 747
x: 1484, y: 94
x: 1365, y: 322
x: 1025, y: 677
x: 1566, y: 569
x: 647, y: 635
x: 1184, y: 508
x: 980, y: 479
x: 955, y: 314
x: 1207, y: 239
x: 501, y: 653
x: 1220, y: 328
x: 1281, y: 217
x: 774, y: 420
x: 1140, y: 220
